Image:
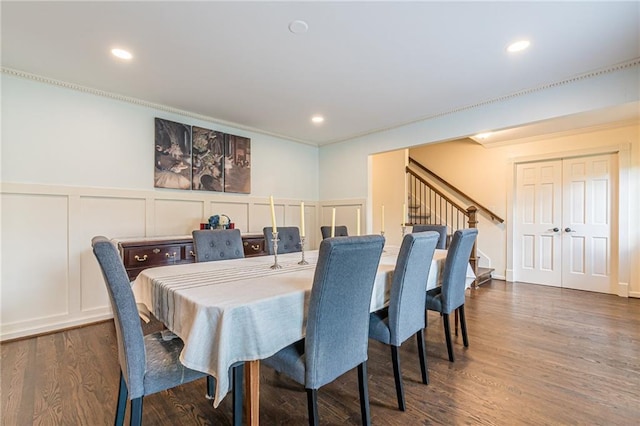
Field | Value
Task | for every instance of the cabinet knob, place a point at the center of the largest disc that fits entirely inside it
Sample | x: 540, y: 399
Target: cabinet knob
x: 255, y: 247
x: 140, y: 259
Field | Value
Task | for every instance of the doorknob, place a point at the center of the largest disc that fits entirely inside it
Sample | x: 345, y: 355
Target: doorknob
x: 568, y: 230
x: 554, y: 229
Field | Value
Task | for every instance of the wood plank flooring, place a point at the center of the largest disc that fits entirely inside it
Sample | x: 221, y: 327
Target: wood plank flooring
x: 537, y: 355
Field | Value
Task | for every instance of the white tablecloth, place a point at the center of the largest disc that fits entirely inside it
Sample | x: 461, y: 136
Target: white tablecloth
x: 241, y: 310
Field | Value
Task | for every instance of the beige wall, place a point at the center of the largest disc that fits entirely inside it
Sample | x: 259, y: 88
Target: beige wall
x: 388, y: 179
x: 486, y: 173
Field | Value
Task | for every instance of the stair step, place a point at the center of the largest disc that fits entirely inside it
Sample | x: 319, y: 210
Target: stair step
x: 484, y: 275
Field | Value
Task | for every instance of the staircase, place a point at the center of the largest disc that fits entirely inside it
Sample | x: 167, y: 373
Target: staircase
x: 482, y: 276
x: 429, y: 205
x: 417, y: 213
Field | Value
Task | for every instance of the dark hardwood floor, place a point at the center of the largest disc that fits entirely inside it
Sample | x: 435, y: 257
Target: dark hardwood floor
x: 537, y: 355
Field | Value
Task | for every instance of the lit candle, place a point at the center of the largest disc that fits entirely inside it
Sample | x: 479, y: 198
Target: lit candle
x: 274, y: 228
x: 382, y: 220
x: 404, y: 214
x: 302, y: 218
x: 333, y: 223
x: 358, y: 222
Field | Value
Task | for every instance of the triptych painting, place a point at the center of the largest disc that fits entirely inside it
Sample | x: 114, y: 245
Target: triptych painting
x: 191, y: 157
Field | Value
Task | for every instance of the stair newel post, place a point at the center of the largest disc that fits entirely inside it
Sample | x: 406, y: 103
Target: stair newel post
x: 472, y: 213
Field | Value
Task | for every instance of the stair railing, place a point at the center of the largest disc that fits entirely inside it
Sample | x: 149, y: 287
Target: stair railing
x: 453, y: 189
x: 429, y: 205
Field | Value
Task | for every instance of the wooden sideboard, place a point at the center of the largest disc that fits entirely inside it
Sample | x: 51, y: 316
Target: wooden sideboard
x: 142, y: 253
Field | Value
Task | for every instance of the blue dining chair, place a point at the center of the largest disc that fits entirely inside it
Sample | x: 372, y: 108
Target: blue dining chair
x: 148, y: 364
x: 405, y: 315
x: 338, y: 320
x: 288, y: 236
x: 341, y: 231
x: 450, y: 297
x: 217, y: 244
x: 440, y: 229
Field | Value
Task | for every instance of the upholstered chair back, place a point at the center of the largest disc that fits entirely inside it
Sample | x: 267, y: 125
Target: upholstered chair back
x: 217, y: 244
x: 455, y: 269
x: 440, y: 229
x: 131, y: 348
x: 288, y: 236
x: 338, y: 320
x: 341, y: 231
x: 408, y: 289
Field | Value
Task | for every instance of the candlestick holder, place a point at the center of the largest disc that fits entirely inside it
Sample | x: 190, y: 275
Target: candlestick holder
x: 302, y: 262
x: 275, y: 251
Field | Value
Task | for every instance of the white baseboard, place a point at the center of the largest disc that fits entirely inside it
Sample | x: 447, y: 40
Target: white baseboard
x: 509, y: 275
x: 623, y: 289
x: 30, y: 328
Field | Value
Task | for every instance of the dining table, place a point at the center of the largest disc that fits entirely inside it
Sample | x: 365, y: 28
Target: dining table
x: 243, y: 310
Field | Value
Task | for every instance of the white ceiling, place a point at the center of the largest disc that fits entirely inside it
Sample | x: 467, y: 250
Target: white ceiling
x: 365, y: 66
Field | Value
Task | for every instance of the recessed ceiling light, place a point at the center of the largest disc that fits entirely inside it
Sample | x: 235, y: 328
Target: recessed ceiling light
x: 518, y: 46
x: 482, y: 136
x: 317, y: 119
x: 298, y: 27
x: 121, y: 53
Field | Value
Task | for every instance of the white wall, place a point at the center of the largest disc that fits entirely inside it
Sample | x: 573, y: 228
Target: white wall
x: 75, y: 165
x: 55, y: 135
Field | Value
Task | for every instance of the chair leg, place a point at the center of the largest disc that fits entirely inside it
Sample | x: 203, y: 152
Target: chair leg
x: 447, y: 335
x: 211, y: 388
x: 122, y: 401
x: 312, y: 406
x: 456, y: 322
x: 364, y: 394
x: 395, y: 360
x: 136, y: 412
x: 238, y: 374
x: 463, y: 325
x: 423, y: 358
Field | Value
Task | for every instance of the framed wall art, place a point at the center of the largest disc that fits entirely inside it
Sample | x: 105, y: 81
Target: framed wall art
x: 237, y: 164
x: 192, y: 157
x: 172, y: 155
x: 208, y: 160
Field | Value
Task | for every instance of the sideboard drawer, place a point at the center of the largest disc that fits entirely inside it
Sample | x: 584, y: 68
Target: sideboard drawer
x: 140, y: 254
x: 152, y: 255
x: 253, y: 246
x: 189, y: 253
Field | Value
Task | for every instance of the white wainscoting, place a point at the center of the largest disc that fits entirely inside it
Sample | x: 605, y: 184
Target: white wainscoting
x: 50, y: 279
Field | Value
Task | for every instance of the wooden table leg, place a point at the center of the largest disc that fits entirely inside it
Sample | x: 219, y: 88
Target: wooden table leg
x: 252, y: 392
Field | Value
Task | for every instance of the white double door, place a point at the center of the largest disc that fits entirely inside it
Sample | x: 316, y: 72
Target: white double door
x: 565, y: 220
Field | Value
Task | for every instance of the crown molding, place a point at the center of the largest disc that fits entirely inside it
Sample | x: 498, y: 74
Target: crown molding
x: 607, y: 70
x: 46, y: 80
x: 139, y: 102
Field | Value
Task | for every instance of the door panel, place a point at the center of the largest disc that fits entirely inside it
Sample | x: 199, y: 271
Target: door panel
x: 587, y: 222
x: 574, y: 196
x: 539, y: 212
